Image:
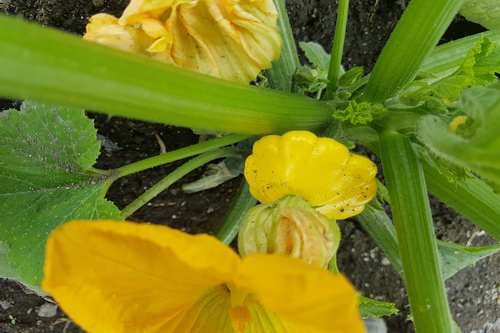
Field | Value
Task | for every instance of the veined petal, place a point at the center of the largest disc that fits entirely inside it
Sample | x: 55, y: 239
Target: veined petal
x: 126, y: 277
x: 209, y: 314
x: 104, y: 29
x: 230, y: 39
x: 305, y: 298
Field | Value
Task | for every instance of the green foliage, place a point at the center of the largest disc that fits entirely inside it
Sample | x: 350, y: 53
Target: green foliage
x: 313, y: 79
x: 455, y: 257
x: 478, y: 147
x: 316, y: 55
x: 216, y: 175
x: 484, y: 12
x: 438, y: 94
x: 371, y: 308
x: 360, y: 113
x: 46, y: 158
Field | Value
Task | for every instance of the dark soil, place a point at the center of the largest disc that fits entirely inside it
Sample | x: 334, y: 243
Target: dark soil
x: 473, y: 292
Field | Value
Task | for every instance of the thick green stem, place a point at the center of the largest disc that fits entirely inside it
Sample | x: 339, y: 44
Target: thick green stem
x: 51, y: 66
x: 417, y: 242
x: 176, y: 155
x: 241, y: 204
x: 416, y: 34
x: 281, y: 74
x: 338, y: 46
x: 177, y: 174
x: 470, y: 197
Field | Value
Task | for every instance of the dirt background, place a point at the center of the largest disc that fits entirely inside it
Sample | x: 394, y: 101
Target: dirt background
x: 473, y: 292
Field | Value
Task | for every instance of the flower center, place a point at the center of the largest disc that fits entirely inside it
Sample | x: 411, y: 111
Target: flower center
x: 239, y: 312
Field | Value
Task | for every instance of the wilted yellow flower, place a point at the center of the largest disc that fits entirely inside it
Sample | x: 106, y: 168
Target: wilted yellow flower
x: 230, y: 39
x: 289, y: 227
x: 121, y: 277
x: 320, y: 170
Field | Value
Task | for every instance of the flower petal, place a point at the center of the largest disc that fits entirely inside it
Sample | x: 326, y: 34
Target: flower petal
x: 306, y: 298
x: 126, y: 277
x: 319, y: 170
x: 230, y: 39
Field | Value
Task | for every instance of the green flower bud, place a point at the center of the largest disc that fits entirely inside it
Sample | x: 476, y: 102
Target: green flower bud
x: 290, y: 227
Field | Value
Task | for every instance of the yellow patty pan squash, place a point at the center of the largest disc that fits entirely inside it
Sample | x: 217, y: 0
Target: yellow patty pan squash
x: 320, y: 170
x: 229, y: 39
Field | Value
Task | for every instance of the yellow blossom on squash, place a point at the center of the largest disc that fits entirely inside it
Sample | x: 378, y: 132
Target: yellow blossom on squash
x: 122, y: 277
x: 230, y: 39
x: 456, y: 123
x: 320, y: 170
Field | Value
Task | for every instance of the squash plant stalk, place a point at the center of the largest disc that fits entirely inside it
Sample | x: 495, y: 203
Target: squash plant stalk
x: 173, y: 177
x: 236, y: 215
x: 471, y: 197
x: 416, y: 34
x: 417, y: 242
x: 338, y: 46
x: 281, y: 74
x: 95, y: 77
x: 176, y: 155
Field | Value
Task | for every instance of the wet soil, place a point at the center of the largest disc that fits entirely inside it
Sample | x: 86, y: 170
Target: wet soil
x: 473, y: 292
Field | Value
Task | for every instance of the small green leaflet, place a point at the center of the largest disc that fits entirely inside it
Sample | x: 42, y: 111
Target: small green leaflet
x: 454, y: 257
x: 359, y: 113
x: 46, y: 158
x: 478, y: 147
x: 484, y: 12
x: 316, y: 55
x: 370, y: 308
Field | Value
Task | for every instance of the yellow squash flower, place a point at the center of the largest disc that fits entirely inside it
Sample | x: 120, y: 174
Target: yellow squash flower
x: 456, y: 123
x: 122, y: 277
x: 230, y: 39
x: 320, y: 170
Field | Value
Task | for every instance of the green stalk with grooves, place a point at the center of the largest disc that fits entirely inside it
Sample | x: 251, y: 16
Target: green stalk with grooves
x: 417, y: 243
x: 374, y: 222
x: 176, y: 155
x: 338, y: 46
x: 236, y: 214
x: 470, y: 197
x: 90, y: 76
x: 416, y: 34
x: 281, y: 74
x: 174, y: 176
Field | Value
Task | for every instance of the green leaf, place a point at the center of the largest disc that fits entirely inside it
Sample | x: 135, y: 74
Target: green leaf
x: 437, y: 94
x: 455, y: 257
x: 447, y: 57
x: 484, y: 12
x: 216, y: 175
x: 476, y: 144
x: 371, y: 308
x: 46, y: 158
x: 316, y: 55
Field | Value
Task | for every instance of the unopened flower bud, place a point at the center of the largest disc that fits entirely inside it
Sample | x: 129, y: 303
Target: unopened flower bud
x: 290, y: 227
